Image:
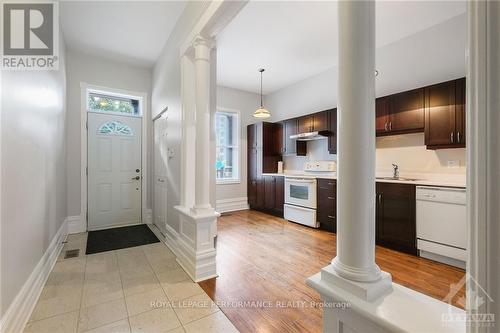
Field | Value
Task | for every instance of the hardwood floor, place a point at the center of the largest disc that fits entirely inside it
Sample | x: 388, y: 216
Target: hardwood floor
x: 265, y: 258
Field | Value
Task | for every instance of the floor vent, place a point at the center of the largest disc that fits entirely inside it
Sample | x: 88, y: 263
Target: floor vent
x: 72, y: 254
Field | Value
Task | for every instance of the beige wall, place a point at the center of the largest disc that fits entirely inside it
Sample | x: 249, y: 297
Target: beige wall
x: 101, y: 72
x: 246, y: 103
x: 33, y: 171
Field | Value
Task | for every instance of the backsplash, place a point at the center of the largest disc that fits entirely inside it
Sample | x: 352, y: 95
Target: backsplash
x: 408, y: 151
x: 317, y: 150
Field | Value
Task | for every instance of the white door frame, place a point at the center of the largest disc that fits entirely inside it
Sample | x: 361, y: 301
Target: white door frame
x: 143, y: 107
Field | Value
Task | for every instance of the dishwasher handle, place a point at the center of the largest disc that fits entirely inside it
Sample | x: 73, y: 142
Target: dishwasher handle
x: 441, y: 194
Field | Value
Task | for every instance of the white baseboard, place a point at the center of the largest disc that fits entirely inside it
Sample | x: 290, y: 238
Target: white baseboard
x: 231, y: 205
x: 19, y: 311
x: 171, y: 240
x: 148, y: 216
x: 76, y: 224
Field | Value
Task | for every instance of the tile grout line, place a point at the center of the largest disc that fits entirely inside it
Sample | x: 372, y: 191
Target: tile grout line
x: 123, y: 291
x: 81, y: 295
x: 161, y: 286
x: 185, y: 298
x: 205, y: 316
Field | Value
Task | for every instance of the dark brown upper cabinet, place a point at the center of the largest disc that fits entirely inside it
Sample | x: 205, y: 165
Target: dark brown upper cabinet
x: 290, y: 146
x: 332, y: 139
x: 315, y: 122
x: 382, y: 115
x: 320, y: 121
x: 400, y: 113
x: 305, y: 124
x: 445, y: 115
x: 264, y: 148
x: 407, y: 112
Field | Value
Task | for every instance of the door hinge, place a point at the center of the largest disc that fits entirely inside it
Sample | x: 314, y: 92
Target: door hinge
x: 87, y: 125
x: 86, y: 170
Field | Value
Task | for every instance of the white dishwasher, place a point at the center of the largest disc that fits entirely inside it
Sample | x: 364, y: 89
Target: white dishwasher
x: 442, y: 224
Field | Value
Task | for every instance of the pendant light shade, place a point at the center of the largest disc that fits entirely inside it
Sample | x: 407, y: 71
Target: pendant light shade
x: 261, y: 112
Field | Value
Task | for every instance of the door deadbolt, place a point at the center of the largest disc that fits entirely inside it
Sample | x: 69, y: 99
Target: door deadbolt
x: 136, y: 178
x: 137, y: 170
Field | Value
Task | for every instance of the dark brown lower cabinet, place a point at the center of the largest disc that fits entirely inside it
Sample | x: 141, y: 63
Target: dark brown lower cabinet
x: 267, y: 195
x: 395, y: 217
x: 326, y: 209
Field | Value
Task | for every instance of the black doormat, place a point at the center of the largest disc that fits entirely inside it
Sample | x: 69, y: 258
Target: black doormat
x: 119, y: 238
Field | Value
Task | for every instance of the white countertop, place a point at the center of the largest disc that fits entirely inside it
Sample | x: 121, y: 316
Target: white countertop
x: 446, y: 180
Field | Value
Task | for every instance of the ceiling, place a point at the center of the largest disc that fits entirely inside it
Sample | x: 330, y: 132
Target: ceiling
x: 127, y: 31
x: 296, y: 40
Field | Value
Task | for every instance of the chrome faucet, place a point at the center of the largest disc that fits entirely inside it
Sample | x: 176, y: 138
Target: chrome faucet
x: 395, y: 173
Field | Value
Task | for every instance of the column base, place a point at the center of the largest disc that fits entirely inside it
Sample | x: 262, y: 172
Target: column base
x: 202, y: 210
x: 356, y: 274
x: 368, y: 291
x: 196, y: 243
x: 395, y: 309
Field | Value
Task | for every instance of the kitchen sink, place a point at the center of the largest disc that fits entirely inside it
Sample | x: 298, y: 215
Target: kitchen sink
x: 398, y: 178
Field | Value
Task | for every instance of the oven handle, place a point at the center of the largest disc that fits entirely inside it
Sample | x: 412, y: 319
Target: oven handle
x: 312, y: 181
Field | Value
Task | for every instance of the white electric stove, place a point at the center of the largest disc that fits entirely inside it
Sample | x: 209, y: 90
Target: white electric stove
x: 300, y: 192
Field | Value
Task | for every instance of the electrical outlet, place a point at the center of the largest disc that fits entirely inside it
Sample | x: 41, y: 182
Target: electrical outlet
x: 453, y: 164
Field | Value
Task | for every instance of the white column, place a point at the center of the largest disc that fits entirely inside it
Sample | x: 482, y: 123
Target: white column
x: 355, y: 258
x: 195, y: 241
x: 483, y: 162
x: 202, y: 73
x: 188, y: 173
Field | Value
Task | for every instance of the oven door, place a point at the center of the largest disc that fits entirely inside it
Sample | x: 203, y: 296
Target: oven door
x: 300, y: 192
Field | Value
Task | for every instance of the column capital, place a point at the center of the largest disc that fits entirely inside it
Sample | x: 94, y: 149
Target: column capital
x: 202, y: 47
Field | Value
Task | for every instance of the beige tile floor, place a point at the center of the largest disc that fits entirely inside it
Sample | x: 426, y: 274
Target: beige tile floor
x: 139, y: 289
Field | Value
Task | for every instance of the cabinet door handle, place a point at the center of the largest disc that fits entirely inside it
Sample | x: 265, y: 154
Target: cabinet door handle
x: 331, y: 198
x: 380, y: 199
x: 458, y: 137
x: 331, y: 217
x: 390, y: 126
x: 451, y: 137
x: 385, y: 126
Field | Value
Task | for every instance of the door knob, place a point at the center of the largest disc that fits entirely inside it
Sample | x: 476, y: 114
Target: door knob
x: 136, y: 178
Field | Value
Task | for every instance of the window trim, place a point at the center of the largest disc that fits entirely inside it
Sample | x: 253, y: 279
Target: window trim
x: 237, y: 180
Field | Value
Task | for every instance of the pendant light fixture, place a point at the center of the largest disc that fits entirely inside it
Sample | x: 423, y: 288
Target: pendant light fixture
x: 261, y: 112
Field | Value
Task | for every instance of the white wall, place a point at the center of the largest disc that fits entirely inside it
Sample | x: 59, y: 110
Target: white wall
x: 102, y: 72
x: 431, y: 56
x: 246, y: 103
x: 166, y: 91
x: 33, y: 171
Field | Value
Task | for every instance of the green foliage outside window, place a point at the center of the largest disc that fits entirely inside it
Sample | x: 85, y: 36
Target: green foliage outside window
x: 102, y: 103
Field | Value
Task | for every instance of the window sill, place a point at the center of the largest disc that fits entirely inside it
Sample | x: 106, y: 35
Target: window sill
x: 228, y: 182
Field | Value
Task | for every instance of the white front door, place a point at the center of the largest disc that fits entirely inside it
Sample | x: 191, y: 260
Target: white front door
x: 114, y: 170
x: 160, y: 155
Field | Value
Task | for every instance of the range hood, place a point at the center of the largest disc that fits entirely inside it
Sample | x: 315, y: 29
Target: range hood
x: 310, y: 136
